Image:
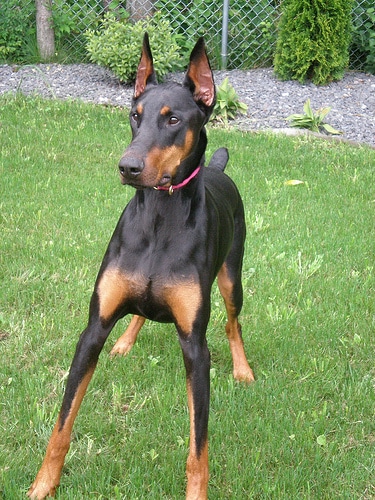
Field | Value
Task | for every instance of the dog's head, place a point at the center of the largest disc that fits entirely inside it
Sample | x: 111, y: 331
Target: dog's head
x: 167, y: 122
x: 198, y: 78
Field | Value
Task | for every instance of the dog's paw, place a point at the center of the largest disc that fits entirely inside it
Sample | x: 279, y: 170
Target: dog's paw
x: 244, y: 375
x: 40, y: 490
x: 121, y: 348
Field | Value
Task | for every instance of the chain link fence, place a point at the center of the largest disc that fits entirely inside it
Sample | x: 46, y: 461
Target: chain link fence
x: 251, y: 28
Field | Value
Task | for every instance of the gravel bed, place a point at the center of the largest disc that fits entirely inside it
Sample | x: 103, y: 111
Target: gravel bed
x: 270, y: 101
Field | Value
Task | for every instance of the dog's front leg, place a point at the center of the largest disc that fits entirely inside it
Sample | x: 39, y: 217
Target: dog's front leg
x: 81, y: 371
x: 197, y: 364
x: 190, y: 307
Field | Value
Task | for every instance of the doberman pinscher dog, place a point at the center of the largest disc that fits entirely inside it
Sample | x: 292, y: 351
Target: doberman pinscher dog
x: 183, y: 228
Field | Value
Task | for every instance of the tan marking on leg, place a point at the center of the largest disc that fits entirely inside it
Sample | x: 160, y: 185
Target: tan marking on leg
x: 128, y: 338
x: 184, y: 299
x: 196, y: 466
x: 241, y: 368
x: 48, y: 477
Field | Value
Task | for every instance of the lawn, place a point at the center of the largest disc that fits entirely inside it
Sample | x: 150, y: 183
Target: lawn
x: 304, y: 430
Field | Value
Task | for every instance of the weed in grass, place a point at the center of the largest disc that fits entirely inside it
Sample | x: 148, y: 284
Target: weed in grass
x: 307, y: 268
x: 303, y: 430
x: 312, y: 120
x: 259, y: 225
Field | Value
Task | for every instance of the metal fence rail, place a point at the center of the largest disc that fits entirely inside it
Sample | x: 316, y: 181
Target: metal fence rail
x: 251, y: 30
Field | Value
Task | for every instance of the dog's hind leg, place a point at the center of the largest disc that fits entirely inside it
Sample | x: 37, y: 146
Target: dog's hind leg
x: 128, y: 338
x: 230, y: 286
x: 229, y: 289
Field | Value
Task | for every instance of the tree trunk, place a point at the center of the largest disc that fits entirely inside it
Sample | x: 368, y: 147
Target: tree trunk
x: 44, y: 29
x: 106, y: 5
x: 139, y: 9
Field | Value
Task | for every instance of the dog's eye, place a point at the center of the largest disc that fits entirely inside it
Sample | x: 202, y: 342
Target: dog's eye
x: 135, y: 117
x: 173, y: 120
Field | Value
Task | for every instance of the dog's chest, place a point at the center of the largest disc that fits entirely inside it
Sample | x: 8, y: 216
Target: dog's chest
x: 150, y: 296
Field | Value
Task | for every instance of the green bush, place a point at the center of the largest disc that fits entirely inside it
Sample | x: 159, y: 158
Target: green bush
x: 313, y: 40
x: 71, y: 18
x: 117, y: 45
x: 363, y: 41
x: 16, y: 29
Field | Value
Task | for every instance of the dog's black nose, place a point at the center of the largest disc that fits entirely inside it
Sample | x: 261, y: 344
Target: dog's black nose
x: 130, y: 167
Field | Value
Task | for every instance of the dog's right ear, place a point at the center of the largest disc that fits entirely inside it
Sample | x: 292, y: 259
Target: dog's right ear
x: 145, y: 72
x: 199, y: 78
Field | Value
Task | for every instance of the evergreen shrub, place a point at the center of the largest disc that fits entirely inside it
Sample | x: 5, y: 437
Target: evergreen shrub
x: 313, y: 40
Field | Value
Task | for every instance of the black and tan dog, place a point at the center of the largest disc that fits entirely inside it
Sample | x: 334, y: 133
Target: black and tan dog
x: 184, y: 226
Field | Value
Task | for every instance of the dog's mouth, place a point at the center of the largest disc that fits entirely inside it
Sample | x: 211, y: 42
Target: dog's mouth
x: 139, y: 183
x: 165, y: 179
x: 142, y: 172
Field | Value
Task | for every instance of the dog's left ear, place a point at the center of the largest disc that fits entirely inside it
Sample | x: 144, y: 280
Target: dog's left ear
x: 145, y: 72
x: 199, y: 78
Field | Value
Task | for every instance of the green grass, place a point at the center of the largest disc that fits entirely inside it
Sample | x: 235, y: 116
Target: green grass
x: 304, y: 430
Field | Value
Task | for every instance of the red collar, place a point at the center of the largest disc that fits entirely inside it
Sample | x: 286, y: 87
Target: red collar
x: 172, y: 188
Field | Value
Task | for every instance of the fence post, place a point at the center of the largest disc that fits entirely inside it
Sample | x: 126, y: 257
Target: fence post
x: 224, y: 35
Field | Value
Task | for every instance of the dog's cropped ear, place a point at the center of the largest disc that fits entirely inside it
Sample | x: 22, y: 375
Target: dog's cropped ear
x: 199, y: 78
x: 145, y: 72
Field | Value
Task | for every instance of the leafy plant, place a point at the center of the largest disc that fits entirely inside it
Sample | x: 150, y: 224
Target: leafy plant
x: 311, y: 120
x: 313, y: 40
x: 116, y: 45
x: 71, y: 19
x: 16, y: 29
x: 227, y: 104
